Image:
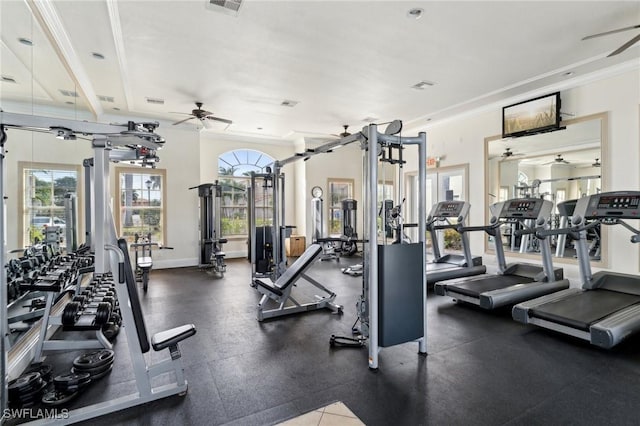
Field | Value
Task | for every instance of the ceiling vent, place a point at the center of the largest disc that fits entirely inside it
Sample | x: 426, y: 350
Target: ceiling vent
x: 369, y: 119
x: 423, y: 85
x: 289, y: 103
x: 106, y: 98
x: 155, y: 101
x: 231, y: 7
x: 7, y: 79
x: 69, y: 93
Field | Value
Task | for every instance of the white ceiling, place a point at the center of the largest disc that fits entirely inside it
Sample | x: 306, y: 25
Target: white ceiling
x: 342, y: 61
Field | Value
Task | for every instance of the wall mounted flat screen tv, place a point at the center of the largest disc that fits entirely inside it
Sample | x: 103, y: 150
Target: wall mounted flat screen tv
x: 536, y: 115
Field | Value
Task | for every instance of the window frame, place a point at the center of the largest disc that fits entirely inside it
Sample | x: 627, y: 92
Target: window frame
x: 118, y: 191
x: 246, y: 183
x: 23, y: 209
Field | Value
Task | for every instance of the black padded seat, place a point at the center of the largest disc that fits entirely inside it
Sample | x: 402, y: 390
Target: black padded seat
x: 584, y: 309
x: 293, y: 273
x: 167, y: 338
x: 474, y: 288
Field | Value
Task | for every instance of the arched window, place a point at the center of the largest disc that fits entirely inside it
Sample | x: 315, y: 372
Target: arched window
x: 234, y: 171
x: 523, y: 179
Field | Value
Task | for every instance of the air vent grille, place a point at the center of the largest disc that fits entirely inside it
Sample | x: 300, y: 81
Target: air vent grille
x: 106, y: 98
x: 155, y: 101
x: 423, y: 85
x: 7, y: 79
x: 69, y: 93
x: 233, y: 5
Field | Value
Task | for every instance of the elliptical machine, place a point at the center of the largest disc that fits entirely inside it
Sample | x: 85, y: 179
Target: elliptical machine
x: 211, y: 253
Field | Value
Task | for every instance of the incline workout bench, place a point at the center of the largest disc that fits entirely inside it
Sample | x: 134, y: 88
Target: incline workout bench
x: 280, y: 291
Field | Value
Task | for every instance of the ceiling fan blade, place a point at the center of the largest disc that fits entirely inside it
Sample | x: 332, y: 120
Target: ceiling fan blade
x: 200, y: 113
x: 625, y: 46
x: 619, y: 30
x: 181, y: 113
x: 182, y: 121
x: 223, y: 120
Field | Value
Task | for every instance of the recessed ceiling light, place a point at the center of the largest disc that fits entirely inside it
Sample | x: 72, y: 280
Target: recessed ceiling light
x: 7, y: 79
x: 428, y: 119
x: 116, y: 109
x: 259, y: 128
x: 370, y: 119
x: 289, y: 103
x: 97, y: 55
x: 69, y: 103
x: 25, y: 41
x: 568, y: 73
x: 415, y: 13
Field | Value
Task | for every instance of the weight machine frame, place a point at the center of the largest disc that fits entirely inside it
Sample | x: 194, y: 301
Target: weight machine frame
x: 211, y: 241
x: 273, y: 183
x: 372, y: 143
x: 141, y: 141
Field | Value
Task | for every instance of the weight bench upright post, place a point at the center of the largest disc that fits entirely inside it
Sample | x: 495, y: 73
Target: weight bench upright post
x: 280, y: 291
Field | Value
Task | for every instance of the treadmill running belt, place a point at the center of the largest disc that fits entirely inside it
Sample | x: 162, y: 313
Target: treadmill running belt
x: 476, y: 287
x: 431, y: 267
x: 583, y: 309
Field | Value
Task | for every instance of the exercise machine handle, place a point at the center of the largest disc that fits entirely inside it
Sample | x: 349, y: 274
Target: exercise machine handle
x: 520, y: 232
x: 121, y: 272
x: 448, y: 226
x: 485, y: 228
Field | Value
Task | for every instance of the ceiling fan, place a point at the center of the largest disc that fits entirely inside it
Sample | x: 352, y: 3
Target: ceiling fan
x: 558, y: 160
x: 345, y: 133
x: 508, y: 153
x: 201, y: 115
x: 625, y: 46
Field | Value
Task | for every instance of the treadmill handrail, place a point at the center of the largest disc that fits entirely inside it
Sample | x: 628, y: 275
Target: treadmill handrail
x: 447, y: 226
x: 542, y: 233
x: 486, y: 228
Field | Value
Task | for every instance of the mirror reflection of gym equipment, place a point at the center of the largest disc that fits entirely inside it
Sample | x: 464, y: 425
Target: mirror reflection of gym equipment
x: 334, y: 247
x: 211, y: 255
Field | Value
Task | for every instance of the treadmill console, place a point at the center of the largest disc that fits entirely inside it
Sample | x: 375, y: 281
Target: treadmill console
x: 525, y: 208
x: 449, y: 209
x: 610, y: 205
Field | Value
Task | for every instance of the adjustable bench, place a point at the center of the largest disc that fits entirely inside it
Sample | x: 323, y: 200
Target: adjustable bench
x: 280, y: 291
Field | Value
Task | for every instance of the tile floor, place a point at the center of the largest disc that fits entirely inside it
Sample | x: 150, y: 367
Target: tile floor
x: 336, y: 414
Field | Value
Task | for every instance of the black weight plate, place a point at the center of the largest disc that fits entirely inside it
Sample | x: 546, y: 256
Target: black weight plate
x: 91, y: 371
x: 24, y: 382
x: 45, y: 371
x: 73, y: 388
x: 110, y: 331
x: 70, y: 379
x: 98, y: 373
x: 58, y: 398
x: 94, y: 359
x: 33, y: 395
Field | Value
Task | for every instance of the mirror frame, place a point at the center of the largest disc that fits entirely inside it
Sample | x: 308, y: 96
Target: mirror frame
x: 604, y: 173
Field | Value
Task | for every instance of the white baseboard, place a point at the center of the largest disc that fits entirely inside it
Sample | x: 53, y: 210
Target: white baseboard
x: 184, y: 263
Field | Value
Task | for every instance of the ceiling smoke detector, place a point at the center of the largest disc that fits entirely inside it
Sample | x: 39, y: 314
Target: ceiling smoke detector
x: 230, y: 7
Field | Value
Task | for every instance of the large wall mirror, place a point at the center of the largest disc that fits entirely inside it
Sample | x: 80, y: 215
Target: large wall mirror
x: 557, y: 166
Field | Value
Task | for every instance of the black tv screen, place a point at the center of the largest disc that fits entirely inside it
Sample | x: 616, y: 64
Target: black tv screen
x: 533, y: 116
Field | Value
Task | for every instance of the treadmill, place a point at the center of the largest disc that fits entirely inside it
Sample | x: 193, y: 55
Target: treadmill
x: 449, y: 266
x: 607, y: 308
x: 516, y: 282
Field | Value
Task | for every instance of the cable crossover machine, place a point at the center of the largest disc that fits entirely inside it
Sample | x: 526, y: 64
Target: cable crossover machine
x: 392, y: 307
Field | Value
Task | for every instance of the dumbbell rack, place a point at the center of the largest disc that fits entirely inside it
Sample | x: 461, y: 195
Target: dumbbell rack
x: 62, y: 275
x: 89, y: 310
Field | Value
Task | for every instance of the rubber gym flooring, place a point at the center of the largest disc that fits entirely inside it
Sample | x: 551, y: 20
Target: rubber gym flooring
x: 483, y: 368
